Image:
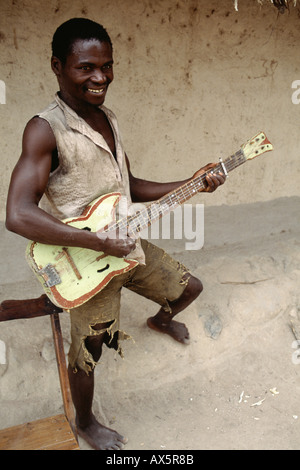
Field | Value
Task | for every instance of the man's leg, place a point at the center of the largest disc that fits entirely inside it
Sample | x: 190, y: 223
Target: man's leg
x: 82, y: 389
x: 163, y: 320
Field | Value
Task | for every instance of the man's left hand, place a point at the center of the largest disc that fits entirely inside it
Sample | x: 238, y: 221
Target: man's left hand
x: 213, y: 180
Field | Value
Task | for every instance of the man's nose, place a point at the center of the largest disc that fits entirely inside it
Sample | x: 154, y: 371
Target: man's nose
x: 98, y: 76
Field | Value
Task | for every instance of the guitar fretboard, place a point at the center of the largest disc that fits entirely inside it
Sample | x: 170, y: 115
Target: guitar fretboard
x: 154, y: 211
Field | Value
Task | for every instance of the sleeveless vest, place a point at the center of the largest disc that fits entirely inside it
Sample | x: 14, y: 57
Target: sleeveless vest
x: 87, y: 168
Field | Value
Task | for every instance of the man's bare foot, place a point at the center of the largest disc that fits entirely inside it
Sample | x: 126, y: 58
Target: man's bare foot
x: 100, y: 437
x: 175, y: 329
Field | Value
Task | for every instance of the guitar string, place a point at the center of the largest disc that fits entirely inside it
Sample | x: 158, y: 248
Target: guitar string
x: 143, y: 219
x: 188, y: 190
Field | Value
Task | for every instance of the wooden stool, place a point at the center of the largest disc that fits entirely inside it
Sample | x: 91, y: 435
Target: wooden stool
x: 56, y: 432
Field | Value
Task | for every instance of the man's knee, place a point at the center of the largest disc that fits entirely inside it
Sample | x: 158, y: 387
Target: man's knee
x: 194, y: 287
x: 94, y: 343
x: 94, y: 346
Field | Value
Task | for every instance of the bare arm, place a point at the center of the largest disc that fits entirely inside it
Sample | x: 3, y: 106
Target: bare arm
x: 28, y: 183
x: 144, y: 191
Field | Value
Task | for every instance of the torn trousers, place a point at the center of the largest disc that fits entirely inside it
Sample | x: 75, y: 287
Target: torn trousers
x: 161, y: 279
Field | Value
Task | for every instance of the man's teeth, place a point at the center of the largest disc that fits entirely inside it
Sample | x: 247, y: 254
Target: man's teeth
x: 92, y: 90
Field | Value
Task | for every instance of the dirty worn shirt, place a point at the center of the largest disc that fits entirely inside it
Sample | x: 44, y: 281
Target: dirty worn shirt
x: 87, y: 168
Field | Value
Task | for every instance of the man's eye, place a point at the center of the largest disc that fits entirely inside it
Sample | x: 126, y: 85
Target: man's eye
x: 85, y: 68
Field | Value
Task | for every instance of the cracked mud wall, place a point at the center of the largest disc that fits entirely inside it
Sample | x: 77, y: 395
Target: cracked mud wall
x: 193, y: 81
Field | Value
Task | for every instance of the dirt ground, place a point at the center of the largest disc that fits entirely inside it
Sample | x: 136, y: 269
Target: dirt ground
x: 236, y: 386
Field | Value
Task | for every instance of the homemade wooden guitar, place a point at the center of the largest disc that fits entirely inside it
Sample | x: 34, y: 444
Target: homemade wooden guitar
x: 71, y: 276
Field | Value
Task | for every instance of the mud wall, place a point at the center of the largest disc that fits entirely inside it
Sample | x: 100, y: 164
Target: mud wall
x: 193, y: 81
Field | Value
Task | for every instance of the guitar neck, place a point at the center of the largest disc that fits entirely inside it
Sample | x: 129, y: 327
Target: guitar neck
x: 189, y: 189
x: 172, y: 200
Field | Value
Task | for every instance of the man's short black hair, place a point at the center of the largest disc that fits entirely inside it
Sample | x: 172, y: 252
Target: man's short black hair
x: 73, y: 29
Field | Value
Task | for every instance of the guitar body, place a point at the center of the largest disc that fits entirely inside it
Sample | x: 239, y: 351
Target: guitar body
x: 71, y: 276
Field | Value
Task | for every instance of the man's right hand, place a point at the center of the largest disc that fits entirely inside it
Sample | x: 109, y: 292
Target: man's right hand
x: 116, y: 245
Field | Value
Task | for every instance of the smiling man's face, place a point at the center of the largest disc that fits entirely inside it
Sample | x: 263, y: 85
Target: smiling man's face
x: 85, y: 76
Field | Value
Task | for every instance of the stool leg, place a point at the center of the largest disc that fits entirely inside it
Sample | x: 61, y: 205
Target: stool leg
x: 63, y: 371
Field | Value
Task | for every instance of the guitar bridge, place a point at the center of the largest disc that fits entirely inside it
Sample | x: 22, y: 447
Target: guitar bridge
x: 50, y: 275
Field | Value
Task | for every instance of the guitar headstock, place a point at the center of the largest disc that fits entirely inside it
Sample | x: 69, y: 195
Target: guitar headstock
x: 256, y: 146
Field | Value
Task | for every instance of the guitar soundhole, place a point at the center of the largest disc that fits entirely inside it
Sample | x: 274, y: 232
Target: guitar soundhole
x: 87, y: 228
x: 103, y: 269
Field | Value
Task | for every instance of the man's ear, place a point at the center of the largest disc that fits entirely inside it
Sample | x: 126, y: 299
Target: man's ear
x: 56, y: 65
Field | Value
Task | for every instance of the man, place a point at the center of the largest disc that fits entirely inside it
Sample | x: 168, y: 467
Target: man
x: 72, y: 153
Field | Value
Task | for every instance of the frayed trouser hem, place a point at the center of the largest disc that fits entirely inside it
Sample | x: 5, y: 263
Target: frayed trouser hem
x: 84, y: 360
